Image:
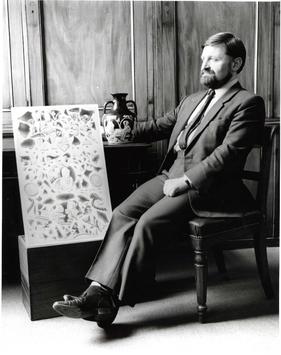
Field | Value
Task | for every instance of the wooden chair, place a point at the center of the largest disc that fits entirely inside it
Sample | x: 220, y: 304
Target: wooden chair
x: 217, y: 234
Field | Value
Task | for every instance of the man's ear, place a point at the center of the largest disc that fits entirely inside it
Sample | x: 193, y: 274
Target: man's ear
x: 236, y: 64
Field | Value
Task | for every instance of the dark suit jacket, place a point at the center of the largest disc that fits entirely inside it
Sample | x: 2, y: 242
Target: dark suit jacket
x: 215, y: 157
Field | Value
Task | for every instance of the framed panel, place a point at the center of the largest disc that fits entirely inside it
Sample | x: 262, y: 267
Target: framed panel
x: 87, y: 45
x: 155, y: 64
x: 268, y: 60
x: 13, y: 64
x: 199, y: 20
x: 6, y: 79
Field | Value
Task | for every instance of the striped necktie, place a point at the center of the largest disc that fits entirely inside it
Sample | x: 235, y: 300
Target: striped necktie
x: 189, y: 128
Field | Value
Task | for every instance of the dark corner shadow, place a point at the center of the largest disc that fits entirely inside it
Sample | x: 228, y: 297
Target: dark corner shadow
x: 115, y: 332
x: 236, y: 312
x: 161, y: 291
x: 249, y: 308
x: 164, y: 288
x: 252, y: 307
x: 118, y: 331
x: 244, y: 311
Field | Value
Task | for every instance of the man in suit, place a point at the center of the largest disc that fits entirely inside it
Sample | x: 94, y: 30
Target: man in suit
x: 210, y: 135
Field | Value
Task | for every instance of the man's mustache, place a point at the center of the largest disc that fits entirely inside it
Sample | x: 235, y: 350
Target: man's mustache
x: 207, y: 71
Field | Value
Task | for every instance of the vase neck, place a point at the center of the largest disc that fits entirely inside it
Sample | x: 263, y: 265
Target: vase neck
x: 120, y: 105
x: 119, y: 96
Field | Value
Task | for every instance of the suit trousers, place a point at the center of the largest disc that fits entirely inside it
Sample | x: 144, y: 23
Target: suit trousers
x: 146, y: 220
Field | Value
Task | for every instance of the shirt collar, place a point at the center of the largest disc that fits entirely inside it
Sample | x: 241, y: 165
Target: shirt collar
x: 222, y: 90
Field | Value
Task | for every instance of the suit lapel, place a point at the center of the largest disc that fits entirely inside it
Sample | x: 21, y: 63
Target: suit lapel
x: 214, y: 110
x: 190, y: 107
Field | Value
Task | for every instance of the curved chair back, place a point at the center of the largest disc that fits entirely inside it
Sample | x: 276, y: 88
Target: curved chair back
x: 262, y: 177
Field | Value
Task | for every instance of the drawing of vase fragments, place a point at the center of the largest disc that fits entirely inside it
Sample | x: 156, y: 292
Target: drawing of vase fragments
x: 62, y: 173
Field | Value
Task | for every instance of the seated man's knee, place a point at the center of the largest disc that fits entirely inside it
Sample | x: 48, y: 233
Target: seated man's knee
x: 146, y: 222
x: 125, y: 210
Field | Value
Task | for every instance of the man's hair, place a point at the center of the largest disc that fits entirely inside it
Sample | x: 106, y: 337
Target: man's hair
x: 234, y: 46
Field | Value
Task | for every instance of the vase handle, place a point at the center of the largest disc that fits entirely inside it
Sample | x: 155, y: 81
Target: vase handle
x: 134, y: 104
x: 107, y: 103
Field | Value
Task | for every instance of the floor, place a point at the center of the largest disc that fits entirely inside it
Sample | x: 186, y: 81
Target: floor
x: 240, y: 319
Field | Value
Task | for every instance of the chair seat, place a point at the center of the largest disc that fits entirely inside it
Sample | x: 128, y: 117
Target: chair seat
x: 201, y: 227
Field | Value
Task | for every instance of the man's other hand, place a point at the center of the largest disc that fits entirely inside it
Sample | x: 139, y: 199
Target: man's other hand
x: 174, y: 187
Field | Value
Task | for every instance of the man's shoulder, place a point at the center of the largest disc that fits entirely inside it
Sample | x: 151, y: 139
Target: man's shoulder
x: 240, y: 94
x: 244, y: 95
x: 196, y: 94
x: 193, y: 96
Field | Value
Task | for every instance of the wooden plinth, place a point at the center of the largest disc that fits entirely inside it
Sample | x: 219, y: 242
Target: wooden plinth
x: 49, y: 272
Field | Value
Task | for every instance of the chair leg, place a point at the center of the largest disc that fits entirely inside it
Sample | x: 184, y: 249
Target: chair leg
x: 219, y: 259
x: 262, y: 263
x: 201, y: 274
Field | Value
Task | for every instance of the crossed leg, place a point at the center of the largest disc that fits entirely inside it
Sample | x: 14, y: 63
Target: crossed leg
x: 145, y: 220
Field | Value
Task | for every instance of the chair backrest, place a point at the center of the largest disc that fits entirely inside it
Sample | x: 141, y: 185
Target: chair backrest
x: 263, y: 176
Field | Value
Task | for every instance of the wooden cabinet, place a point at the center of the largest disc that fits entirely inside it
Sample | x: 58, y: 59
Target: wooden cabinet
x: 12, y: 224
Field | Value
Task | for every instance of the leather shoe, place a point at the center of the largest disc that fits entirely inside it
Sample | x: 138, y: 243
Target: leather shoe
x: 95, y: 304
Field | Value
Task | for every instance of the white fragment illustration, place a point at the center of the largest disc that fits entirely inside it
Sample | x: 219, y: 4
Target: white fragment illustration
x: 62, y: 174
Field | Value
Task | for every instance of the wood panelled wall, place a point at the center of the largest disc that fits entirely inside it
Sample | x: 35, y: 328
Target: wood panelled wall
x: 268, y: 54
x: 68, y: 52
x: 196, y: 22
x: 87, y: 47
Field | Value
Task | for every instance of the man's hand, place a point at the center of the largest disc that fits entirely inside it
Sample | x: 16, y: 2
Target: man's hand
x: 174, y: 187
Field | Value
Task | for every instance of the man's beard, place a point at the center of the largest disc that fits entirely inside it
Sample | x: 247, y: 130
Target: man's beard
x: 210, y: 80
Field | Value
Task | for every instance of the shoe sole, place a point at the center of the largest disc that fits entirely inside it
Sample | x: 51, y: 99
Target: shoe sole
x: 73, y: 312
x: 97, y: 315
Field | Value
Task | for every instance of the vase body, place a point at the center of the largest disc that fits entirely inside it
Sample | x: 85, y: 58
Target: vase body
x: 118, y: 122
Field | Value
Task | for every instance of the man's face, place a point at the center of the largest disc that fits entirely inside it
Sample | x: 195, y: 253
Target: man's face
x: 217, y: 67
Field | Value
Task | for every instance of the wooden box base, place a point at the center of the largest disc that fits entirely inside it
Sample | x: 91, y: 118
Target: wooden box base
x: 49, y: 272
